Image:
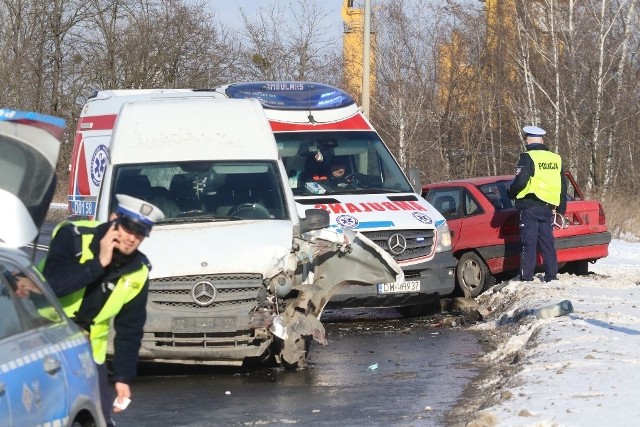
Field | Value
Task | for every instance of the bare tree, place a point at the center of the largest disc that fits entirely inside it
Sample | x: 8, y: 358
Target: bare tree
x: 280, y: 46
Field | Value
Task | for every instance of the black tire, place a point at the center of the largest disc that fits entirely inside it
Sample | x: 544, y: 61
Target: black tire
x: 432, y: 307
x: 473, y: 275
x: 578, y: 268
x: 84, y: 420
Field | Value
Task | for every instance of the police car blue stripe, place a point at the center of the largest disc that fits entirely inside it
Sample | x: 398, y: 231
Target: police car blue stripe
x: 40, y: 354
x: 55, y: 423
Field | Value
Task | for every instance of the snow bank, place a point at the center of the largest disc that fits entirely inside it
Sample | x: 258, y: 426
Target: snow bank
x: 581, y: 369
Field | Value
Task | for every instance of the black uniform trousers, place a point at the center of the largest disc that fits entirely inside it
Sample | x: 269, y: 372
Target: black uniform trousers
x: 106, y: 394
x: 536, y: 233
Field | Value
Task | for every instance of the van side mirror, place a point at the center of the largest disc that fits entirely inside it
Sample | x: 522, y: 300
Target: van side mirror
x: 414, y: 179
x: 315, y: 220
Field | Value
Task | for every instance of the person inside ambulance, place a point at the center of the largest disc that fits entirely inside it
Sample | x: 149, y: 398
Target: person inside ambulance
x: 337, y: 177
x: 100, y: 276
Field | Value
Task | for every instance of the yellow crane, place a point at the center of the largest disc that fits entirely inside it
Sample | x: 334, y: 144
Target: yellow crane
x: 352, y: 45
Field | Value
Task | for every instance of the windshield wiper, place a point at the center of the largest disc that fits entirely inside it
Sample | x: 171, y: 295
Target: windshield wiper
x: 200, y: 218
x: 366, y: 190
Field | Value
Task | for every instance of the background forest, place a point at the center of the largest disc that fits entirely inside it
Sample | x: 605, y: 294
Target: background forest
x: 455, y: 80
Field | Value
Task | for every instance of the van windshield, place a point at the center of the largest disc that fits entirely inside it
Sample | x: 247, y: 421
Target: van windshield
x: 205, y: 190
x: 339, y: 163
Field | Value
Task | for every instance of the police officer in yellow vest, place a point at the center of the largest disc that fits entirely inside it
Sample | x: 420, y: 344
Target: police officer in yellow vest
x: 539, y: 189
x: 99, y: 275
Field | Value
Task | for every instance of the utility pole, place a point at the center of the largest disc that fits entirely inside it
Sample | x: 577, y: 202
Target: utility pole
x: 359, y: 52
x: 366, y: 65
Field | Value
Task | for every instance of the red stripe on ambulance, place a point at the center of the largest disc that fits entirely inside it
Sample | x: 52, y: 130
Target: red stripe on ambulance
x: 356, y: 122
x: 342, y: 208
x: 105, y: 122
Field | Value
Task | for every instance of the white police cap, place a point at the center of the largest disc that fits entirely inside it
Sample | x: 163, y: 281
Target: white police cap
x: 137, y: 215
x: 533, y: 131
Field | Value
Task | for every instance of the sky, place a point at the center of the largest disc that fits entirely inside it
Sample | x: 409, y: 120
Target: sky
x: 580, y: 369
x: 228, y: 11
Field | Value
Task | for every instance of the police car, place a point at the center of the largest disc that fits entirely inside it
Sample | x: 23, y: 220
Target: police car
x: 47, y: 375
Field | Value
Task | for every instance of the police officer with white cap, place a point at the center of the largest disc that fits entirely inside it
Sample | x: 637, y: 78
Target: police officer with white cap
x: 539, y: 189
x: 99, y: 275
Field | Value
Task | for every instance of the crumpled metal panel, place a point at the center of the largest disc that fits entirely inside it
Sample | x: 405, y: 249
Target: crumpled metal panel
x: 338, y: 260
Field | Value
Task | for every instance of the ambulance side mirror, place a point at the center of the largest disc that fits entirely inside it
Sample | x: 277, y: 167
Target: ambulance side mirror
x: 414, y: 179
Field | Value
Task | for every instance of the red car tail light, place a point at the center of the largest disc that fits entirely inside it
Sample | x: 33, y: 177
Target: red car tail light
x: 602, y: 220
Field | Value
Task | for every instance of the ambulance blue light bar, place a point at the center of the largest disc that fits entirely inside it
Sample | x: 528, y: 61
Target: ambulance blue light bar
x: 291, y: 95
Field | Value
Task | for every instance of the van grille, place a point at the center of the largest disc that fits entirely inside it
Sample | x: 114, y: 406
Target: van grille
x: 419, y: 242
x: 232, y: 290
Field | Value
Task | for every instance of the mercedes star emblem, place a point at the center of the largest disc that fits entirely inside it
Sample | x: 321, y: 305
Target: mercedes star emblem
x: 203, y: 293
x: 397, y: 244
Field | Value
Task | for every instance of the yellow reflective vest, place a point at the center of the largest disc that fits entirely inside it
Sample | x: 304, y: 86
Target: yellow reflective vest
x: 546, y: 182
x: 128, y: 287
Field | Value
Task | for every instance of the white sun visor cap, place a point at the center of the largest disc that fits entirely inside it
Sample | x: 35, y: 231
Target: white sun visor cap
x: 533, y: 131
x: 137, y: 215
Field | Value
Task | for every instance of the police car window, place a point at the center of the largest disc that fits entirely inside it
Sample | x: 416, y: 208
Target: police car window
x: 32, y: 306
x: 10, y: 324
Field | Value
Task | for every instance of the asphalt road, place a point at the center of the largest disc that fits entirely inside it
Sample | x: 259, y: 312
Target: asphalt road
x: 378, y: 371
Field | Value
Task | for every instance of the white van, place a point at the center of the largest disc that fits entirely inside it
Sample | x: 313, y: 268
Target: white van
x: 321, y: 132
x: 236, y: 274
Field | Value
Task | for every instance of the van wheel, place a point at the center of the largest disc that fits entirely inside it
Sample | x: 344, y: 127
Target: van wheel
x: 473, y: 275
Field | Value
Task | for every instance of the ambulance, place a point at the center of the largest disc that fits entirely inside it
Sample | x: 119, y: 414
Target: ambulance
x: 320, y: 131
x: 90, y: 156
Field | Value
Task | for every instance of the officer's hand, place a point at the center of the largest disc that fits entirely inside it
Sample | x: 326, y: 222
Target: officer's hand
x: 123, y: 392
x: 108, y: 243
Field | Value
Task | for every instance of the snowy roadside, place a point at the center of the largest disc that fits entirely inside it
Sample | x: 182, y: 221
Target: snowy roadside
x: 581, y: 369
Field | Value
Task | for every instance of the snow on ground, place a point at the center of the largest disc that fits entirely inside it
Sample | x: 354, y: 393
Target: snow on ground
x: 580, y: 369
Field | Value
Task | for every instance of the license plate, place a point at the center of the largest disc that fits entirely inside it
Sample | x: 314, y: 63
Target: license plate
x: 199, y: 325
x: 398, y: 288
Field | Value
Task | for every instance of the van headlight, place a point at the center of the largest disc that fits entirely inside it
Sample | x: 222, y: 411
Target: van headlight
x: 444, y: 238
x: 281, y: 285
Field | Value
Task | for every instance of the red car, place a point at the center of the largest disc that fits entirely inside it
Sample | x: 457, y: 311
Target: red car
x: 485, y: 235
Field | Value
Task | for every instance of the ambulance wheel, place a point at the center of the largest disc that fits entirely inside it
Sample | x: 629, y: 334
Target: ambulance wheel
x: 250, y: 211
x: 429, y: 308
x: 473, y: 275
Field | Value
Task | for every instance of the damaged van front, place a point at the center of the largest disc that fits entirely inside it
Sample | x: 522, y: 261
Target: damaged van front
x: 237, y: 275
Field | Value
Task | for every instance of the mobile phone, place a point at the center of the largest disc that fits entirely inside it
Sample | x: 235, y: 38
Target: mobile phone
x: 116, y: 224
